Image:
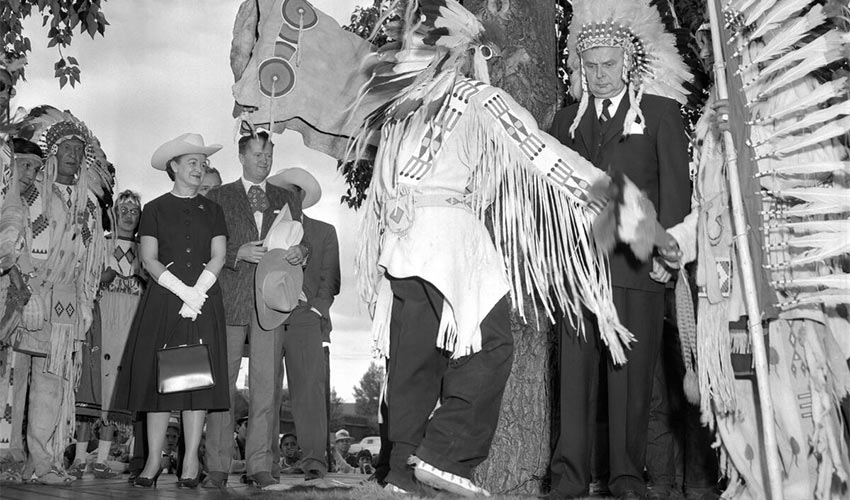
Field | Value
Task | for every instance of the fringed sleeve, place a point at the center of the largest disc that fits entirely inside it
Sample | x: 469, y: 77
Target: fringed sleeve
x: 542, y: 217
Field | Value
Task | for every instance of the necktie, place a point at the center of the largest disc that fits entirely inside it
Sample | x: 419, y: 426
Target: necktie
x: 257, y: 199
x: 605, y: 115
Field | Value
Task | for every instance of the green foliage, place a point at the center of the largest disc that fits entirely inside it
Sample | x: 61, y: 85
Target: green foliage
x: 357, y: 176
x: 62, y: 17
x: 364, y: 19
x: 367, y: 396
x: 337, y: 419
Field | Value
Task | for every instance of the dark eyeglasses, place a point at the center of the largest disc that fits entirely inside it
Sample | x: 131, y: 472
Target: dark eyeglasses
x: 125, y: 211
x: 4, y: 86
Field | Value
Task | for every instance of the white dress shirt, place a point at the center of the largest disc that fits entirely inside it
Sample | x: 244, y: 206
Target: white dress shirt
x: 615, y: 104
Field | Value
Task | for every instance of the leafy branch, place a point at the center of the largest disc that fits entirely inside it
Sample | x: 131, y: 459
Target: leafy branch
x: 62, y: 17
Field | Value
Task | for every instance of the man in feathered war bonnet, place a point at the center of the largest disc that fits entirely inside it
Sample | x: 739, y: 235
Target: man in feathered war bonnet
x: 66, y: 248
x: 627, y: 74
x: 453, y: 151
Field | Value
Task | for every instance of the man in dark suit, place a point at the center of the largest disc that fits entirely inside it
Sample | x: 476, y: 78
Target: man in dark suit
x: 250, y: 206
x: 653, y: 154
x: 308, y: 328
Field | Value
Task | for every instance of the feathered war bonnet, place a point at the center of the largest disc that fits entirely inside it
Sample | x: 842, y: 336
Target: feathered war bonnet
x: 431, y: 38
x: 433, y: 41
x: 651, y: 62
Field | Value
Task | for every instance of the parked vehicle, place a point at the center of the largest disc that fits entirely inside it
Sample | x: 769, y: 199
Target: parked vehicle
x: 371, y: 443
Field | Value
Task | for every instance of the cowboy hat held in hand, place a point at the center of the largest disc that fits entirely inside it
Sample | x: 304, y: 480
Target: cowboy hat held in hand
x: 277, y: 285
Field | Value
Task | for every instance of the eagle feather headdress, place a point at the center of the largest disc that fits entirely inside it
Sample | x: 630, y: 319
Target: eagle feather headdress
x: 651, y: 62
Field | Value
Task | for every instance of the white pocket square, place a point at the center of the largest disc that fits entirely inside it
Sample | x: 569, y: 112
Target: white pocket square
x: 635, y: 129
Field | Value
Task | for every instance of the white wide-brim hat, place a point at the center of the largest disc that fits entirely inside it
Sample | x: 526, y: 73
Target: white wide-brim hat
x: 277, y: 288
x: 184, y: 144
x: 297, y: 176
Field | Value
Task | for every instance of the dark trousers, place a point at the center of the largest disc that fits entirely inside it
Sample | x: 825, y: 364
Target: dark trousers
x: 382, y: 462
x: 629, y: 391
x: 458, y: 435
x: 678, y: 450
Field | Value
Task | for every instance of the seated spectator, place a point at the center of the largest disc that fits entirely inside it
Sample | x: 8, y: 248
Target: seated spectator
x: 237, y: 464
x: 343, y: 460
x: 364, y: 462
x: 290, y: 455
x: 170, y: 451
x: 241, y: 434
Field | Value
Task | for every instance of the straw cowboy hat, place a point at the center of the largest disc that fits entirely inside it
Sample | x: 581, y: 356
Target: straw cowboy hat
x: 296, y: 176
x: 184, y: 144
x: 277, y: 283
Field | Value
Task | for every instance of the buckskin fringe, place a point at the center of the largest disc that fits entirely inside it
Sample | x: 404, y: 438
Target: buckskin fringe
x: 546, y: 241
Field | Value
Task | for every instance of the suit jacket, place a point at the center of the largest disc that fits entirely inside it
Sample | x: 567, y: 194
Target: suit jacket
x: 237, y: 278
x: 321, y: 276
x: 656, y: 161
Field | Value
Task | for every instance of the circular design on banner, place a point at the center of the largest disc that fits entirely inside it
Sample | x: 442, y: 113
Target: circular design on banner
x: 293, y: 9
x: 278, y: 72
x: 284, y: 50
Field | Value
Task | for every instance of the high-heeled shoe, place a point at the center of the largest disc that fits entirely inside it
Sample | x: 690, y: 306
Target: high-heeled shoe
x: 189, y: 483
x: 147, y: 482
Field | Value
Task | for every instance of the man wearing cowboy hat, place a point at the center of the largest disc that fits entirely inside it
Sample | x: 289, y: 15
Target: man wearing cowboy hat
x: 343, y: 460
x: 308, y: 327
x: 250, y: 206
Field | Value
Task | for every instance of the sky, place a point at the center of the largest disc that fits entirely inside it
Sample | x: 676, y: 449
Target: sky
x: 162, y: 69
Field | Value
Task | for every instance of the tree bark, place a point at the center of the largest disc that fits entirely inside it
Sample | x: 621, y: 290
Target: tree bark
x: 519, y: 457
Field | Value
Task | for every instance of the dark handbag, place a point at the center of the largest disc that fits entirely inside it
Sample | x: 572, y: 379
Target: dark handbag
x: 183, y: 368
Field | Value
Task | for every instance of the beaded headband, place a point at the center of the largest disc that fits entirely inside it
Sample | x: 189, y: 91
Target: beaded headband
x: 611, y: 34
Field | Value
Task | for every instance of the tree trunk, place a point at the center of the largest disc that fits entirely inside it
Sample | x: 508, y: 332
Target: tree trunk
x: 519, y: 457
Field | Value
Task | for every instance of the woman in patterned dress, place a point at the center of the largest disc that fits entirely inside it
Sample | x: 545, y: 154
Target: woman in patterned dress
x: 122, y: 283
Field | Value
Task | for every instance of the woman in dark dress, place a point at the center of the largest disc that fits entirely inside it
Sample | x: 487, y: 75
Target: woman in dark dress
x: 183, y: 238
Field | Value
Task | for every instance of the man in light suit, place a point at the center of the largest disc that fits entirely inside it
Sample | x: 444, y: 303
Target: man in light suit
x: 250, y: 206
x: 654, y: 156
x: 307, y: 330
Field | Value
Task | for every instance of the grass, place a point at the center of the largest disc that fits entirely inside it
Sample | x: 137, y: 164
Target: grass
x: 365, y: 491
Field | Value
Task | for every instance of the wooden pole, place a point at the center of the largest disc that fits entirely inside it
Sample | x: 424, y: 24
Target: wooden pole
x: 771, y: 449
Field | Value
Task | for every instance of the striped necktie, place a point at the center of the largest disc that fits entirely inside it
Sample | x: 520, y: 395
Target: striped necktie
x: 605, y: 115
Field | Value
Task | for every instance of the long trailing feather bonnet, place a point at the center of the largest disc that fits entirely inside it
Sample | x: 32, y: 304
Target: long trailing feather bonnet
x: 542, y: 209
x: 651, y: 62
x: 798, y: 167
x: 789, y: 121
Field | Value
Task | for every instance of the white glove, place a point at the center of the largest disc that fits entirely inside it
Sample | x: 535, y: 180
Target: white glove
x: 205, y: 281
x: 189, y: 295
x: 187, y: 312
x: 32, y: 317
x: 659, y: 272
